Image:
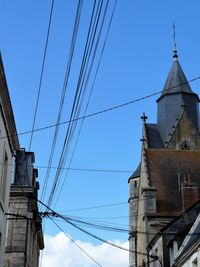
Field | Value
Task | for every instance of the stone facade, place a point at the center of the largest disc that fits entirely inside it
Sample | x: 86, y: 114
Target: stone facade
x: 168, y: 177
x: 8, y: 146
x: 24, y: 236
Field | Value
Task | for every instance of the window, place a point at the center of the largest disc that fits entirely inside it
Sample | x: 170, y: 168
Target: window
x: 185, y: 145
x: 135, y: 184
x: 4, y: 176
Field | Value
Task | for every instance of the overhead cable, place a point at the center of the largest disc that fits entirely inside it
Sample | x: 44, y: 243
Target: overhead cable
x: 75, y: 243
x: 75, y: 108
x: 41, y: 74
x: 90, y: 94
x: 93, y: 235
x: 65, y: 84
x: 94, y: 114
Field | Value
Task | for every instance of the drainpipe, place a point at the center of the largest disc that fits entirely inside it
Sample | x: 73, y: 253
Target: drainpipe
x: 136, y: 248
x: 148, y: 262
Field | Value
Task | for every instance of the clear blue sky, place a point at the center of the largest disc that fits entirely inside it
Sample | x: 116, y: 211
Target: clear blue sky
x: 137, y: 58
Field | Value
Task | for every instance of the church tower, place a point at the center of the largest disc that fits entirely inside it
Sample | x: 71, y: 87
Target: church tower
x: 166, y: 182
x: 177, y: 96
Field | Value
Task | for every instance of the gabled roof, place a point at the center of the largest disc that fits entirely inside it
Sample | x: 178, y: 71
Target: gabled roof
x: 176, y: 81
x: 174, y: 127
x: 166, y: 168
x: 184, y: 129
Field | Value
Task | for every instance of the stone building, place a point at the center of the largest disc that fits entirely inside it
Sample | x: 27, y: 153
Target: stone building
x: 24, y: 236
x: 8, y: 145
x: 170, y: 241
x: 189, y: 253
x: 166, y: 183
x: 20, y: 223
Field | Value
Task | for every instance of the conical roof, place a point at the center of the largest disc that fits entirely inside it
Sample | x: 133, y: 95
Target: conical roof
x: 176, y: 81
x: 136, y: 173
x: 176, y: 95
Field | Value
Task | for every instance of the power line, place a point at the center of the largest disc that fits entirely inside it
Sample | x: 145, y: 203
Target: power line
x: 91, y: 234
x: 41, y: 75
x: 100, y: 220
x: 99, y: 225
x: 76, y: 169
x: 75, y: 242
x: 105, y: 226
x: 91, y: 90
x: 80, y: 91
x: 82, y: 85
x: 64, y: 89
x: 68, y: 133
x: 99, y: 112
x: 97, y: 207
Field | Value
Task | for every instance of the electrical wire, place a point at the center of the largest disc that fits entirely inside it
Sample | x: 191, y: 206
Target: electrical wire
x: 102, y: 226
x: 75, y: 110
x: 65, y: 84
x: 90, y: 94
x: 69, y: 130
x: 99, y: 220
x: 91, y: 234
x: 41, y: 75
x: 63, y: 153
x: 84, y: 66
x: 74, y: 169
x: 94, y: 114
x: 75, y: 242
x: 97, y: 207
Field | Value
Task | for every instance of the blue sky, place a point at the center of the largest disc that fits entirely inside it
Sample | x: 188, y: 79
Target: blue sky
x: 136, y: 61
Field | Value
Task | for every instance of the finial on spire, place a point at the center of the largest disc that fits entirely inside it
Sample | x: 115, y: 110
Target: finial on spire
x: 175, y: 55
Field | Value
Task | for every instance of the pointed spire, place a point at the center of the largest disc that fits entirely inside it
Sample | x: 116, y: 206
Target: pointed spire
x: 175, y: 55
x: 176, y: 81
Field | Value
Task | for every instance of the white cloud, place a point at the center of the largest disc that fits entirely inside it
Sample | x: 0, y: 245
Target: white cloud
x: 60, y: 251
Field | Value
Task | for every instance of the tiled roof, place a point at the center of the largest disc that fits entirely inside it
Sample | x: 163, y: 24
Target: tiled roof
x: 165, y: 168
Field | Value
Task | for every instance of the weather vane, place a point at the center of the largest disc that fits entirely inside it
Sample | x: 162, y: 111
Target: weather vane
x: 174, y: 40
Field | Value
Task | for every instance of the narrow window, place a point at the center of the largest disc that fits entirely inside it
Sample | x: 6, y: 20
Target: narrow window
x: 4, y: 176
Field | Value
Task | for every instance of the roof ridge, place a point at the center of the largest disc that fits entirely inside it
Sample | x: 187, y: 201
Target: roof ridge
x: 174, y: 127
x: 188, y: 237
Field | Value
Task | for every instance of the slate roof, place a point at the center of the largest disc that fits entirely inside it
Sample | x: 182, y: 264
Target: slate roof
x: 176, y: 93
x: 175, y: 77
x: 153, y: 136
x: 181, y: 223
x: 164, y: 167
x: 7, y: 110
x: 136, y: 173
x: 191, y: 238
